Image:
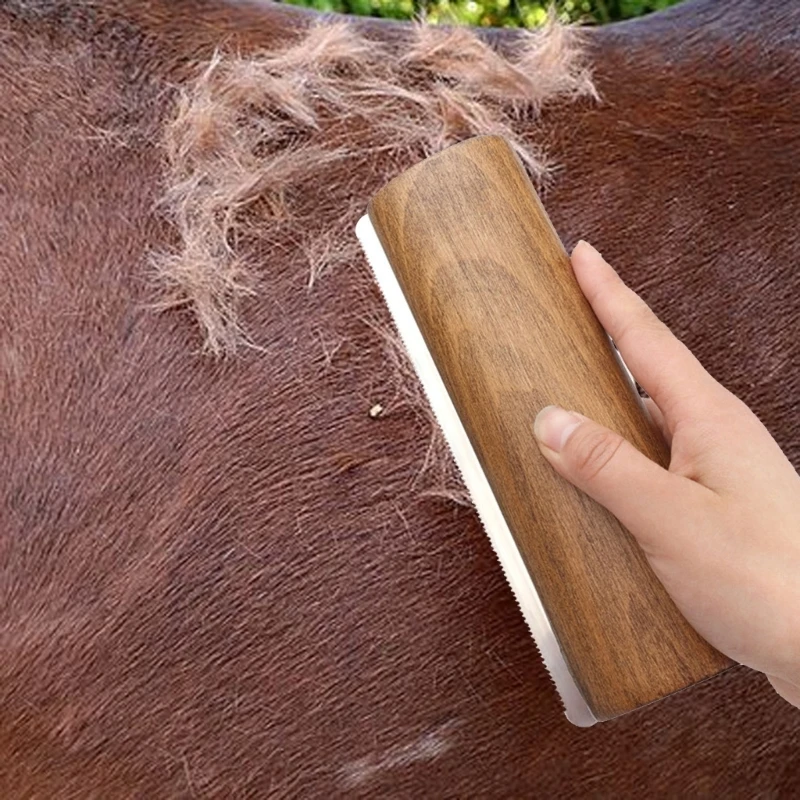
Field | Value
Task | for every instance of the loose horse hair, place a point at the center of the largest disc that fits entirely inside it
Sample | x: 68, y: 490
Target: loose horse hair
x: 251, y: 131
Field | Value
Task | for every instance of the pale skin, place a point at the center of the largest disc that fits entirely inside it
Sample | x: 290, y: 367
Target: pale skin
x: 721, y: 526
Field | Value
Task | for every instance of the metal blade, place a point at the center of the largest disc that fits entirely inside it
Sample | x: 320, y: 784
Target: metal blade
x: 474, y: 477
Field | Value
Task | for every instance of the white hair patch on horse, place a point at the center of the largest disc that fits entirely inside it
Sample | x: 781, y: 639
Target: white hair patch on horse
x: 427, y: 747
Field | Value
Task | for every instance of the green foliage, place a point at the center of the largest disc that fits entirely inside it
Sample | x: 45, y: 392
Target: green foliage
x: 497, y: 13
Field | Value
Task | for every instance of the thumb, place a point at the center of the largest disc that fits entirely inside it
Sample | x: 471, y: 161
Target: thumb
x: 640, y: 493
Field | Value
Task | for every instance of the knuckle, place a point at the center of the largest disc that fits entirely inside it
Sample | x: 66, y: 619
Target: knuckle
x: 641, y: 321
x: 593, y: 452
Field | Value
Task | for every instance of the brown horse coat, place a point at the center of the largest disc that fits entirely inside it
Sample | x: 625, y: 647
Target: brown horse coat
x: 222, y: 576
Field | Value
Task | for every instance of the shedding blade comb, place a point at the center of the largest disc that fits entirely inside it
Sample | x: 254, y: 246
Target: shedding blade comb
x: 485, y: 301
x: 474, y: 478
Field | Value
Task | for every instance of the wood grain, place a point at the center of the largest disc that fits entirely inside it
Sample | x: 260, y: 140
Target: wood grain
x: 496, y: 300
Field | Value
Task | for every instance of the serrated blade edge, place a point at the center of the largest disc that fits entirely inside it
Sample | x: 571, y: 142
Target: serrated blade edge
x: 503, y: 543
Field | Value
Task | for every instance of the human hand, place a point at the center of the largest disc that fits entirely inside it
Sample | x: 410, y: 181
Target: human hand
x: 721, y: 527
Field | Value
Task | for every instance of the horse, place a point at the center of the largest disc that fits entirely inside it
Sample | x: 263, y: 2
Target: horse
x: 235, y: 560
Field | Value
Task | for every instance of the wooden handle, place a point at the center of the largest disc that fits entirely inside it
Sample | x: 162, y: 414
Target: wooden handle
x: 510, y: 331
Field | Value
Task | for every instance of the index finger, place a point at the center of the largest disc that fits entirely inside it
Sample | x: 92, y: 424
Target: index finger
x: 663, y: 366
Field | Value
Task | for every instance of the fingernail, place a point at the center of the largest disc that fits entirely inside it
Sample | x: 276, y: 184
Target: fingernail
x: 584, y: 243
x: 553, y: 426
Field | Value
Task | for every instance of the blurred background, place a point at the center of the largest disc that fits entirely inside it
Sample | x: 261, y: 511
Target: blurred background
x: 497, y: 13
